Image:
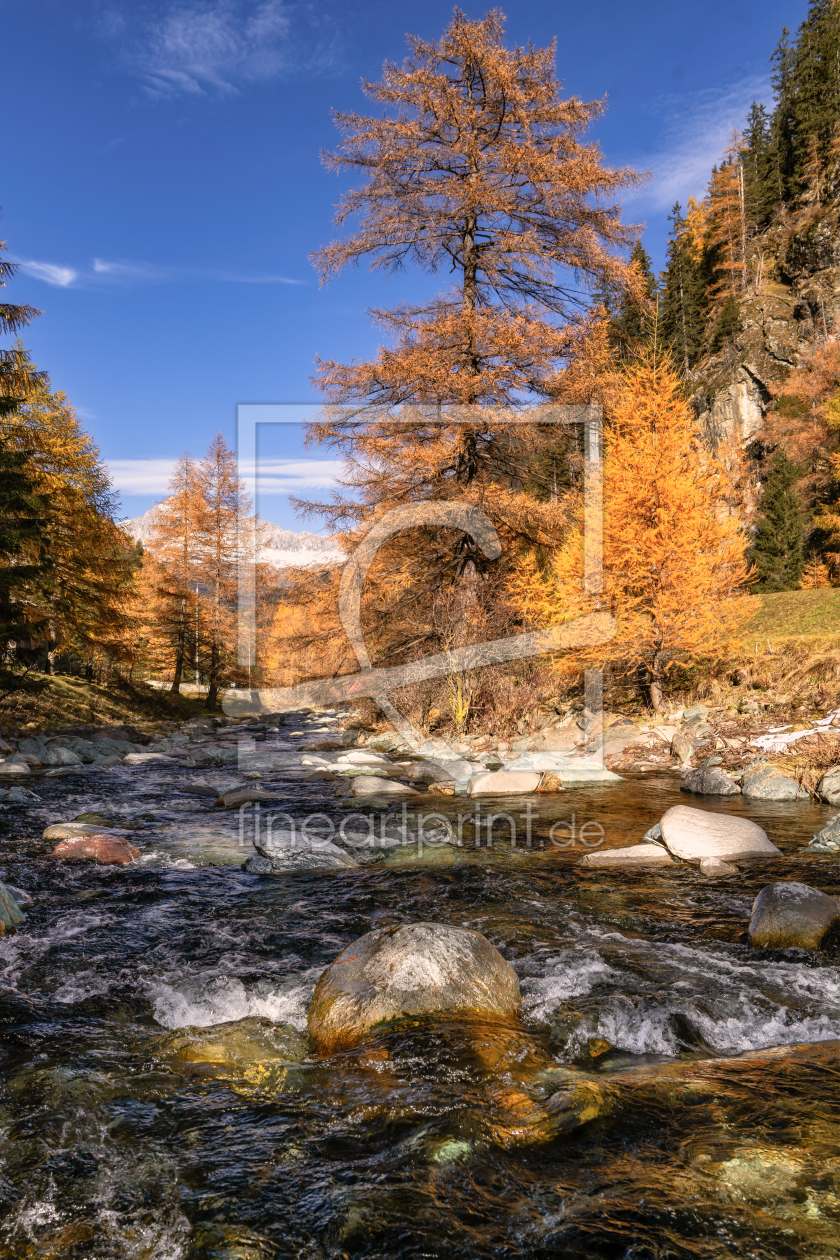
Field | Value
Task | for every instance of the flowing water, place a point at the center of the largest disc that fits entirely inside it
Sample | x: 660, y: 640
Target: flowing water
x: 159, y: 1098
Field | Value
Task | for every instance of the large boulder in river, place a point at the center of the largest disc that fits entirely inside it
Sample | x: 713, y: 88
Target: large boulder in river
x: 709, y: 781
x: 828, y: 788
x: 286, y: 853
x: 788, y: 915
x: 415, y: 969
x: 694, y: 834
x: 764, y: 782
x: 372, y: 785
x: 505, y: 783
x: 108, y: 849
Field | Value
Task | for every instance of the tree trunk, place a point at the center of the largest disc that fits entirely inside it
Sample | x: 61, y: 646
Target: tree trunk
x: 657, y: 702
x: 180, y: 649
x: 213, y: 690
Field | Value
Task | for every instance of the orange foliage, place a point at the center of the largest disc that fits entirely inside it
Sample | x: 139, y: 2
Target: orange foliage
x: 674, y: 563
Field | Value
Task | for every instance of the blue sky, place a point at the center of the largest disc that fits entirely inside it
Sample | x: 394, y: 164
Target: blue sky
x: 163, y: 189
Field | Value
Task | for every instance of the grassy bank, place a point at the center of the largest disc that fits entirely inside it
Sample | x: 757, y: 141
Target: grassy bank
x: 66, y: 701
x: 803, y: 616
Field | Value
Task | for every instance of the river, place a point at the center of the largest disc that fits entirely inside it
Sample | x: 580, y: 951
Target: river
x: 123, y: 1135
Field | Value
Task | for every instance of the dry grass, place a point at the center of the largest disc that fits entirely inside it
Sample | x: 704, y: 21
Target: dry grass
x: 65, y: 700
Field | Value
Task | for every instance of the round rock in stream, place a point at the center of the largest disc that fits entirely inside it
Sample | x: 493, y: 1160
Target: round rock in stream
x: 694, y: 834
x: 790, y: 916
x: 413, y: 969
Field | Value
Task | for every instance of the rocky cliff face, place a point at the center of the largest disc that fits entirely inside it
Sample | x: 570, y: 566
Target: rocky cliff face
x: 792, y: 299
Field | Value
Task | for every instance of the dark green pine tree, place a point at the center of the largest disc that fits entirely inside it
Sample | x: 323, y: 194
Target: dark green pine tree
x: 24, y: 516
x: 816, y: 79
x: 683, y: 295
x: 777, y: 546
x: 783, y: 138
x: 727, y: 325
x: 633, y: 319
x: 760, y: 192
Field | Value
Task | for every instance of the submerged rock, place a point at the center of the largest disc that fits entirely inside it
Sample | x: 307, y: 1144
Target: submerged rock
x: 827, y: 840
x: 146, y: 758
x: 713, y: 867
x: 288, y: 852
x: 10, y: 912
x: 245, y: 796
x: 694, y: 834
x: 372, y: 785
x: 649, y: 854
x: 108, y: 849
x: 410, y: 970
x: 709, y: 781
x: 789, y: 915
x: 764, y: 782
x: 828, y: 788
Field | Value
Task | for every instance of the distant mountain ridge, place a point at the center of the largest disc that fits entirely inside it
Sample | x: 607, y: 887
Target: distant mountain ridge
x: 281, y: 547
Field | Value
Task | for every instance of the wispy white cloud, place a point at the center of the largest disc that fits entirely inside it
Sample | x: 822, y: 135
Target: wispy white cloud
x: 195, y: 47
x: 285, y: 476
x: 104, y: 271
x: 696, y: 131
x: 141, y: 476
x: 274, y: 476
x: 50, y: 273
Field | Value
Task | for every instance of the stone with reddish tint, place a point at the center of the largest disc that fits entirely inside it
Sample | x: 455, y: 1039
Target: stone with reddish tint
x: 109, y: 850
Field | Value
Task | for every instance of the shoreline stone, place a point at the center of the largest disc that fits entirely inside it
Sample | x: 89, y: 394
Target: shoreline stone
x: 709, y: 781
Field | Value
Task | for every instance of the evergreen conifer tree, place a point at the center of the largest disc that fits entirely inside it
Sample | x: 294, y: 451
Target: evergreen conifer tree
x: 632, y: 320
x: 760, y: 192
x: 777, y: 547
x: 683, y: 301
x: 728, y: 323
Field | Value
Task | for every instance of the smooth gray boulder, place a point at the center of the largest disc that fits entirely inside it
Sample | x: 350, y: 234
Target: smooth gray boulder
x: 827, y: 840
x: 14, y: 765
x: 205, y: 757
x: 694, y: 834
x: 828, y: 788
x: 415, y: 969
x: 632, y: 855
x: 791, y: 916
x: 504, y: 783
x: 370, y: 785
x: 289, y: 853
x: 764, y: 782
x: 709, y: 781
x: 435, y: 771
